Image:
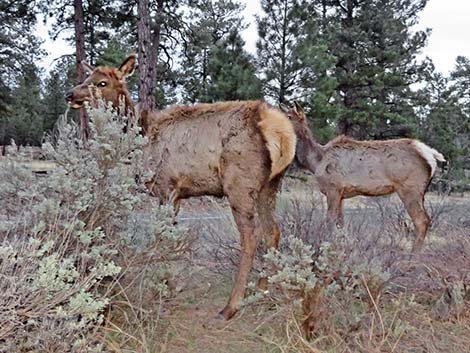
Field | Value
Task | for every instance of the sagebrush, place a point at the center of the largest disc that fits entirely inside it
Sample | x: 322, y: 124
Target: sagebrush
x: 71, y: 239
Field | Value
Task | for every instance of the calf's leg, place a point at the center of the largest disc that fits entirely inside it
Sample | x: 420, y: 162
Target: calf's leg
x: 414, y: 204
x: 335, y: 210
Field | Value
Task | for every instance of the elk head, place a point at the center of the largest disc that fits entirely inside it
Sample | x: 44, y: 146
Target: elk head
x: 308, y: 151
x: 108, y: 83
x: 297, y: 116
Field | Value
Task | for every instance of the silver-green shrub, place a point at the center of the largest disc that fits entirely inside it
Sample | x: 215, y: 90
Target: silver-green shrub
x: 316, y: 270
x: 63, y: 235
x: 338, y: 262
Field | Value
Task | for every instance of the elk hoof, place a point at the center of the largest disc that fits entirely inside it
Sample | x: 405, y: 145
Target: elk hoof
x: 262, y: 284
x: 227, y: 313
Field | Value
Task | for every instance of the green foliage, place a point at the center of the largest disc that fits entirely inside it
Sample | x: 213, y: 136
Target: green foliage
x: 17, y: 45
x: 445, y: 119
x: 18, y: 50
x: 210, y: 23
x: 59, y: 81
x: 372, y: 56
x: 24, y: 122
x: 281, y: 33
x: 98, y: 15
x: 460, y: 77
x: 232, y: 72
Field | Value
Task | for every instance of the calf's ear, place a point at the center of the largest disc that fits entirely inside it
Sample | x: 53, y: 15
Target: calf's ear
x: 297, y: 108
x: 284, y: 108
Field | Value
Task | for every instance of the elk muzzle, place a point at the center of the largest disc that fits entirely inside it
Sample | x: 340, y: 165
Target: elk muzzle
x: 75, y: 100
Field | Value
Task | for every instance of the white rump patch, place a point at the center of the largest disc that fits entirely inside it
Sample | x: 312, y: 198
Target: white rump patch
x: 429, y: 154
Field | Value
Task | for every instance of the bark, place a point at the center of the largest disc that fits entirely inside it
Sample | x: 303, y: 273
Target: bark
x: 283, y: 78
x: 80, y: 56
x: 345, y: 126
x: 148, y: 45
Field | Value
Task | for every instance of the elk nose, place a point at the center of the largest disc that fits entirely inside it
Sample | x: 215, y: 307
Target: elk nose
x: 69, y: 96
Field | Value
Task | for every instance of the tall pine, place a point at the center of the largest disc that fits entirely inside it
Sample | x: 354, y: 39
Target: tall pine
x: 232, y: 72
x: 19, y: 77
x: 25, y: 120
x: 374, y: 52
x: 281, y: 31
x: 209, y: 23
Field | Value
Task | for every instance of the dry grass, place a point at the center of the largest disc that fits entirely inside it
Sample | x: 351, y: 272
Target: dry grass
x: 423, y: 308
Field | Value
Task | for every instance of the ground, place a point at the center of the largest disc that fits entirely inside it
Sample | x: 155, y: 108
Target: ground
x: 424, y: 309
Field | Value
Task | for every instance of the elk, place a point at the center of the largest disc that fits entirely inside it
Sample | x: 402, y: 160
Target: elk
x: 345, y: 168
x: 235, y: 149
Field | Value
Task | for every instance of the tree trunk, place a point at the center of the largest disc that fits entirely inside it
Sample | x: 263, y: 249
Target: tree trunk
x: 346, y: 124
x: 156, y: 27
x: 148, y: 44
x: 80, y: 56
x: 283, y: 78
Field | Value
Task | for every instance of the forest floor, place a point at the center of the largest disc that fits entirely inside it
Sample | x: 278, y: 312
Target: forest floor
x: 423, y: 315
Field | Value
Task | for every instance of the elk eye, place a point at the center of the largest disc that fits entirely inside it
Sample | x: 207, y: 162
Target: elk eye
x: 102, y: 84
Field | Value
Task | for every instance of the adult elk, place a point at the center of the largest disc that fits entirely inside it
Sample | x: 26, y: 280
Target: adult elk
x: 345, y: 168
x: 234, y: 149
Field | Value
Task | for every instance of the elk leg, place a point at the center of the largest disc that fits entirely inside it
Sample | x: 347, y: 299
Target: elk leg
x: 414, y: 204
x: 242, y: 201
x: 335, y: 210
x: 164, y: 194
x: 246, y: 223
x: 175, y: 201
x: 266, y: 205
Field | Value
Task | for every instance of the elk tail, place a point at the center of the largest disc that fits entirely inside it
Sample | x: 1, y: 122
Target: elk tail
x: 430, y: 155
x: 279, y: 136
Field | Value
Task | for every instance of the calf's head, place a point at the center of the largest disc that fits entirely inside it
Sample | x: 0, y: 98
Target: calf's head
x: 298, y: 118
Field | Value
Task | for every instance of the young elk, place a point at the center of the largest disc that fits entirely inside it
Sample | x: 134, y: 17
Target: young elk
x: 234, y: 149
x: 346, y: 168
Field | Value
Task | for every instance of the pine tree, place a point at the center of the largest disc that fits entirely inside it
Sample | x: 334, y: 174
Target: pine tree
x: 443, y: 121
x: 209, y: 23
x: 18, y: 47
x: 25, y: 122
x: 96, y: 18
x: 154, y: 29
x: 232, y: 72
x: 374, y: 52
x: 460, y: 88
x: 58, y: 82
x: 460, y: 77
x: 281, y: 34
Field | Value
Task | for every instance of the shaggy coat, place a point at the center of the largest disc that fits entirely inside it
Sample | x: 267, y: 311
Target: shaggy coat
x: 345, y: 168
x: 234, y: 149
x: 192, y: 148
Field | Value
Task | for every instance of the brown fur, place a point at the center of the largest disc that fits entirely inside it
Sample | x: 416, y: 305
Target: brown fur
x: 280, y: 139
x: 345, y: 168
x: 234, y: 149
x: 115, y: 89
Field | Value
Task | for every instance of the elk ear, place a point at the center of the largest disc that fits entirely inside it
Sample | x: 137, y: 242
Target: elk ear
x: 297, y: 108
x: 284, y: 108
x: 128, y: 66
x: 87, y: 68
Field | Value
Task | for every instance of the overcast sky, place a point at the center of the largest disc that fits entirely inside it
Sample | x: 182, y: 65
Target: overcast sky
x: 448, y: 19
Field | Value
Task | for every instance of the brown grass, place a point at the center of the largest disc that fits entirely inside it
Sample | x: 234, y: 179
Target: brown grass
x: 424, y: 308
